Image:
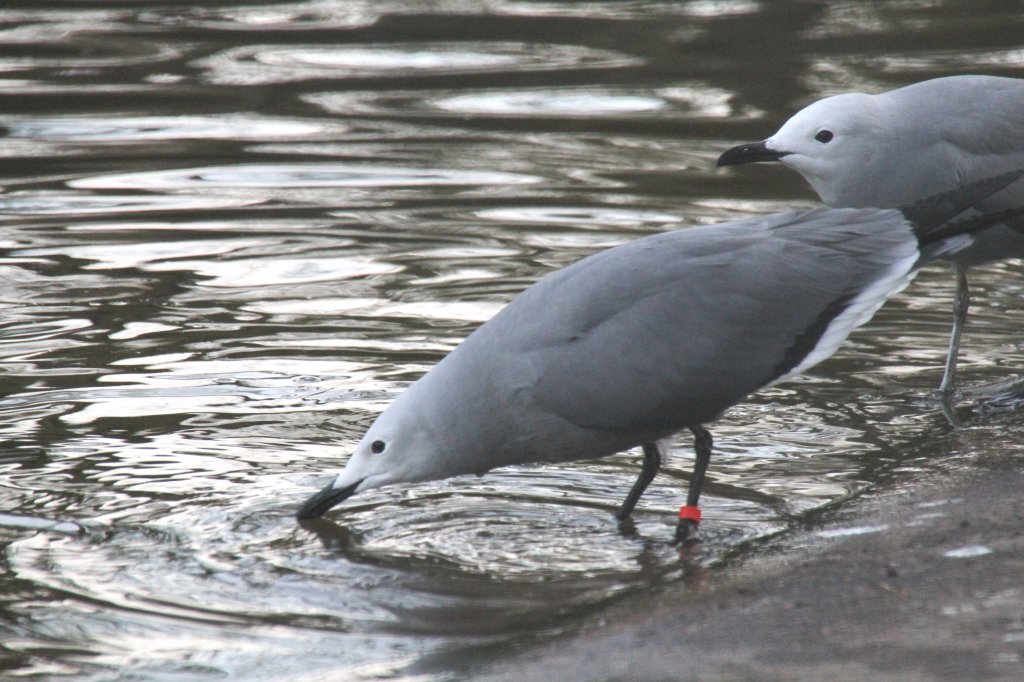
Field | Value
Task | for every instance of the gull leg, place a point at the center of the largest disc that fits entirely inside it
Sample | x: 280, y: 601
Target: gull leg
x: 1000, y: 391
x: 960, y: 305
x: 652, y: 462
x: 689, y: 515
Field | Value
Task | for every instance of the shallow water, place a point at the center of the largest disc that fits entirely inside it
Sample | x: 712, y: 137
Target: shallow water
x: 231, y: 233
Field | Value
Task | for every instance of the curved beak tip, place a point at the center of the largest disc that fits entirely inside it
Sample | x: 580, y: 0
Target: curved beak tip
x: 752, y: 152
x: 318, y: 505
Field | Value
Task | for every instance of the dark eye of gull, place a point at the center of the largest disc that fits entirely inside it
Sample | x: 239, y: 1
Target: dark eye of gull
x: 824, y: 136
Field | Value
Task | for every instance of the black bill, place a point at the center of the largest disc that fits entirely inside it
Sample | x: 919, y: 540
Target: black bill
x: 749, y: 153
x: 317, y: 506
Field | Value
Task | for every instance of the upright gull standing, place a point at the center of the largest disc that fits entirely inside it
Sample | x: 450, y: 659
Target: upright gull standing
x: 892, y: 149
x: 630, y: 345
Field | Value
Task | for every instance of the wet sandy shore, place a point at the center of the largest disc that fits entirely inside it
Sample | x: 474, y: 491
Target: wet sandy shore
x: 920, y: 584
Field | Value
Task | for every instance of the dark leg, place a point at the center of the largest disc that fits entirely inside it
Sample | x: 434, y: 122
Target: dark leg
x: 1006, y: 390
x: 652, y: 462
x: 689, y: 516
x: 960, y: 305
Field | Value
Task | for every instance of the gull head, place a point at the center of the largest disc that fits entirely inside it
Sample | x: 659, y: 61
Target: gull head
x: 401, y: 446
x: 832, y: 143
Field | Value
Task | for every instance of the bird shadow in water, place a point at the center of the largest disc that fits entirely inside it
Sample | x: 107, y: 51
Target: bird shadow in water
x: 334, y: 537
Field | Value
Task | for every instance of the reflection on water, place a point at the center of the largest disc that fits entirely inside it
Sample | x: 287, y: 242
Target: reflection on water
x: 229, y: 235
x: 570, y: 102
x: 248, y: 65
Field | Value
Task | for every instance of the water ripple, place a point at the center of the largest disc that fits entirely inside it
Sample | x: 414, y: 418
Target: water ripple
x: 232, y: 233
x: 67, y: 203
x: 257, y: 272
x: 296, y: 175
x: 578, y: 102
x: 258, y: 64
x: 52, y: 41
x: 153, y: 128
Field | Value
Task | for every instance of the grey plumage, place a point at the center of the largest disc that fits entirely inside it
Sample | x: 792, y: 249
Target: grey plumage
x: 897, y: 147
x: 677, y: 365
x: 635, y: 343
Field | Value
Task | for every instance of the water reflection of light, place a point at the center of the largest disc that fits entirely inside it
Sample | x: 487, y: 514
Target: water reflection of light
x: 719, y: 8
x: 594, y: 216
x: 548, y: 102
x: 478, y: 311
x: 298, y: 175
x: 126, y: 129
x: 259, y: 272
x: 851, y: 530
x: 176, y: 384
x: 117, y: 256
x: 133, y: 330
x: 386, y: 58
x: 292, y: 16
x: 68, y: 203
x: 694, y: 101
x: 274, y: 64
x: 943, y: 60
x: 55, y: 42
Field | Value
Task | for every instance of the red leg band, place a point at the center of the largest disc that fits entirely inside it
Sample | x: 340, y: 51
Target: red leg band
x: 690, y: 512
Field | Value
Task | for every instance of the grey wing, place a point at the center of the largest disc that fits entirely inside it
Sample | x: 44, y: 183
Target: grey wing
x: 1005, y: 240
x: 671, y: 330
x: 980, y: 135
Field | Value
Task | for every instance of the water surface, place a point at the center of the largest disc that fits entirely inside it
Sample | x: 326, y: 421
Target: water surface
x: 231, y: 232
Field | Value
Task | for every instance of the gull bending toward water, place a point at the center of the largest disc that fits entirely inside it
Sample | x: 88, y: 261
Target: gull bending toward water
x: 628, y: 346
x: 895, y: 148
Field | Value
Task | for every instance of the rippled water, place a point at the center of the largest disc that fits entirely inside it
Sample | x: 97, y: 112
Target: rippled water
x: 232, y: 232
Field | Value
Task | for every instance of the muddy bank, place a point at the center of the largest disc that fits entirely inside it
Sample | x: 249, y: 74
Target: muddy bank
x: 918, y: 584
